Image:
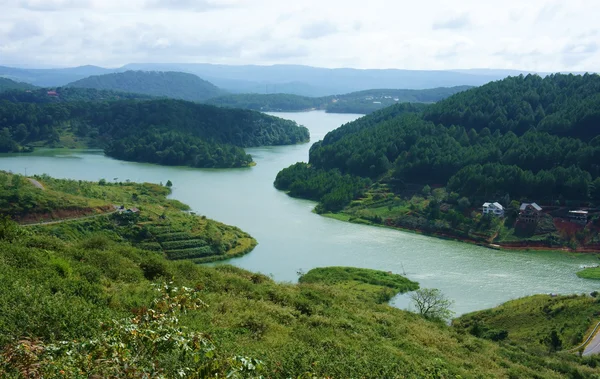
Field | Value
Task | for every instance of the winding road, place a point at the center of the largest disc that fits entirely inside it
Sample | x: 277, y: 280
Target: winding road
x: 594, y: 346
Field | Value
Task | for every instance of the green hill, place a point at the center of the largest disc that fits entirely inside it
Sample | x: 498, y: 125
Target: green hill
x: 523, y: 139
x: 356, y: 102
x: 89, y: 209
x: 170, y: 132
x: 68, y: 94
x: 176, y: 85
x: 7, y: 85
x: 83, y: 301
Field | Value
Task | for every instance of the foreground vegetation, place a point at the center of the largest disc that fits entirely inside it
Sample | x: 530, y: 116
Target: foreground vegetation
x: 97, y: 298
x: 356, y: 102
x: 86, y: 308
x: 539, y: 322
x: 522, y: 139
x: 166, y: 132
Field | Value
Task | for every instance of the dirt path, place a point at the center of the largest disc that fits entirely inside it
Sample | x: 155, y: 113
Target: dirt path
x: 71, y: 219
x: 36, y: 183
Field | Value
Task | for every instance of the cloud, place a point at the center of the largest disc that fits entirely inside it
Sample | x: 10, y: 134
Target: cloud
x: 317, y: 30
x: 549, y: 12
x: 575, y: 53
x: 23, y: 30
x: 284, y: 52
x: 433, y: 34
x: 193, y: 5
x: 459, y: 22
x: 54, y: 5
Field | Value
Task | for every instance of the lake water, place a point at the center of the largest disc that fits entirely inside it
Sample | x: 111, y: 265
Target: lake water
x: 292, y: 238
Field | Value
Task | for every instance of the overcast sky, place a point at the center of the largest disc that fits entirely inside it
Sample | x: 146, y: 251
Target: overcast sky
x: 541, y: 35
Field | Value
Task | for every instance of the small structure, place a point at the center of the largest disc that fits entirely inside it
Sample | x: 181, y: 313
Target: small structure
x: 579, y: 217
x: 122, y: 209
x: 495, y: 209
x: 52, y: 93
x: 529, y: 213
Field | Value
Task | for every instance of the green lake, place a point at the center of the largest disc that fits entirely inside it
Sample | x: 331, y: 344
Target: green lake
x: 292, y: 238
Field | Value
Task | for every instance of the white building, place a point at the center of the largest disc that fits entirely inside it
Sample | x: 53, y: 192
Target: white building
x: 493, y: 208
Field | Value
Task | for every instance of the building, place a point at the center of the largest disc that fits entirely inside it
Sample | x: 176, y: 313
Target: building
x: 495, y: 209
x: 579, y: 217
x: 529, y: 213
x: 52, y: 93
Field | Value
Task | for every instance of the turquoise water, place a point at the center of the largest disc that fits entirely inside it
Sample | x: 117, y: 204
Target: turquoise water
x: 292, y: 238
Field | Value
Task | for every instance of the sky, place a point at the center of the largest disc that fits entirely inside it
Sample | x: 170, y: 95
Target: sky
x: 536, y: 35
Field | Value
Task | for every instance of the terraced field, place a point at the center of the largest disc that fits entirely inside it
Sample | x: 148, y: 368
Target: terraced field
x: 158, y: 224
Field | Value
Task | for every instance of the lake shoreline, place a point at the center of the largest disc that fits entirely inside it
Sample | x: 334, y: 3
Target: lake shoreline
x: 517, y: 246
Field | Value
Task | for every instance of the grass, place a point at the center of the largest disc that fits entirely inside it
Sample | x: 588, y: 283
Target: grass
x: 530, y: 320
x: 365, y: 283
x: 60, y: 290
x: 590, y: 273
x: 161, y: 225
x: 63, y: 282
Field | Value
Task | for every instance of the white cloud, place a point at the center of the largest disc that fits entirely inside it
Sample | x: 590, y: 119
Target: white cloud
x: 540, y: 35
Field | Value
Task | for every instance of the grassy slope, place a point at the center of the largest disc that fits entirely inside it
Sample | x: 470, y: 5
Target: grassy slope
x: 60, y: 282
x: 294, y: 329
x: 367, y: 283
x: 529, y: 320
x: 590, y: 273
x: 161, y: 224
x: 24, y: 202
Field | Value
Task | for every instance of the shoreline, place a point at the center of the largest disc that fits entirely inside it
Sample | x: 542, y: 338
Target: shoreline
x: 493, y: 246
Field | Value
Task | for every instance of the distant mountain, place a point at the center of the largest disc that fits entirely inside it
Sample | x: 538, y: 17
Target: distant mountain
x: 176, y: 85
x: 314, y: 81
x: 8, y: 85
x: 355, y: 102
x: 290, y: 79
x: 51, y: 77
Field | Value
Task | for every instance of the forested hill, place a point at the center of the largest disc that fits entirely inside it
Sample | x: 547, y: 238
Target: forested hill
x: 7, y: 85
x: 176, y: 85
x: 356, y: 102
x: 523, y: 138
x: 68, y: 94
x: 565, y: 105
x: 171, y: 132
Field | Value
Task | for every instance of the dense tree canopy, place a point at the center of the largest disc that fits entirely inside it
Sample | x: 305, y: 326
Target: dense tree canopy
x: 544, y: 145
x: 68, y: 94
x: 159, y: 131
x: 176, y: 85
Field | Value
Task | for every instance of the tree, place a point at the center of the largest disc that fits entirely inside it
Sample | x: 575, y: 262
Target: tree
x: 432, y: 304
x: 553, y: 341
x: 169, y: 184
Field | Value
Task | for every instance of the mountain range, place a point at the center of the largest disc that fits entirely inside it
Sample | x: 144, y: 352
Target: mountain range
x: 292, y: 79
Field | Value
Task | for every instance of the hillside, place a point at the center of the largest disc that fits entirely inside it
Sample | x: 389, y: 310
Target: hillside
x: 170, y: 132
x: 67, y: 94
x: 356, y: 102
x: 8, y: 85
x: 530, y: 321
x: 73, y: 210
x: 77, y: 301
x: 175, y: 85
x: 533, y: 140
